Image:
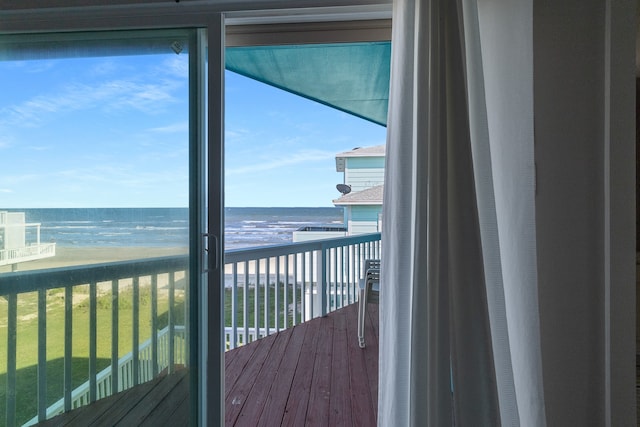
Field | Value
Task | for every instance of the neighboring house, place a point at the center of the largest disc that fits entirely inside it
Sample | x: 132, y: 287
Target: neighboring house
x: 364, y: 175
x: 362, y: 200
x: 15, y: 246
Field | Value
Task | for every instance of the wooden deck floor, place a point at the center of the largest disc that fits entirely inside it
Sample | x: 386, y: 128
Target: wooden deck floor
x: 313, y: 374
x: 161, y: 402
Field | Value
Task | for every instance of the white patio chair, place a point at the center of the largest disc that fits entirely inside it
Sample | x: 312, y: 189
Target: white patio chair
x: 369, y: 290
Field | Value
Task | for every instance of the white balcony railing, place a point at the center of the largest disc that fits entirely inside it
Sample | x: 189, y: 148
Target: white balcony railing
x: 27, y: 253
x: 267, y: 289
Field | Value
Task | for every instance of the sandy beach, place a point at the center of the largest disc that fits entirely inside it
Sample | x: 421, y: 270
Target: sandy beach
x: 66, y: 256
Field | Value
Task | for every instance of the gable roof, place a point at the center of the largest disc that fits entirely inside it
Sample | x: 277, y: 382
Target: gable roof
x: 370, y: 196
x: 375, y: 151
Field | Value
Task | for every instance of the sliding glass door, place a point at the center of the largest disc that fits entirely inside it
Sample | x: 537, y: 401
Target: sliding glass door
x: 101, y: 219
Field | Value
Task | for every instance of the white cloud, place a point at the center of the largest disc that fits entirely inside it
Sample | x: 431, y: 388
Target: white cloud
x: 285, y: 159
x: 40, y: 67
x: 27, y: 177
x: 231, y: 135
x: 177, y: 66
x: 6, y: 190
x: 104, y: 67
x: 115, y: 94
x: 32, y: 67
x: 173, y: 128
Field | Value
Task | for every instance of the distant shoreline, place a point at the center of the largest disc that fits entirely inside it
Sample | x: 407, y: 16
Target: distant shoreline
x: 70, y: 256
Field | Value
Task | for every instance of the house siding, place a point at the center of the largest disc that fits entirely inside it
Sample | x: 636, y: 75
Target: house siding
x: 364, y: 172
x: 363, y: 219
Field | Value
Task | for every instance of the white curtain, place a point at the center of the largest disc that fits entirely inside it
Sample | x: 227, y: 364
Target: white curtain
x: 459, y: 326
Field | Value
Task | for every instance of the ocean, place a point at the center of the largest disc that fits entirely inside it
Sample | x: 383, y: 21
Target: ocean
x: 168, y: 227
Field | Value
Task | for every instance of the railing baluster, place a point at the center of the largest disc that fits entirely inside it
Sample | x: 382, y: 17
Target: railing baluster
x: 353, y: 279
x: 154, y: 325
x: 172, y: 320
x: 343, y: 264
x: 186, y: 304
x: 276, y: 297
x: 303, y: 299
x: 115, y: 319
x: 267, y: 308
x: 93, y: 342
x: 338, y: 278
x: 322, y: 285
x: 234, y: 307
x: 245, y: 304
x: 68, y: 350
x: 136, y: 330
x: 294, y: 289
x: 285, y: 310
x: 309, y: 304
x: 42, y: 354
x: 12, y: 328
x: 256, y: 300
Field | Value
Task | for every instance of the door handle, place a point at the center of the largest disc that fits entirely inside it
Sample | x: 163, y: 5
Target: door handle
x: 212, y: 252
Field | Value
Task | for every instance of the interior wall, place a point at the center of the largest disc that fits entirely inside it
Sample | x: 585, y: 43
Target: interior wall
x: 585, y: 269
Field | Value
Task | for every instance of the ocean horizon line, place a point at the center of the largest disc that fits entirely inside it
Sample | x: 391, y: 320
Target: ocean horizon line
x: 162, y: 227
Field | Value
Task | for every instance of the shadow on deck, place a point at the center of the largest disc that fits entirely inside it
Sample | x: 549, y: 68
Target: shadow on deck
x: 313, y: 374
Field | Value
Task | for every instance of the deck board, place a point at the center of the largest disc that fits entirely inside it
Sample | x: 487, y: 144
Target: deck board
x: 361, y: 394
x: 258, y: 396
x: 295, y: 412
x: 282, y: 384
x: 340, y: 396
x: 237, y: 397
x: 313, y: 374
x: 318, y: 406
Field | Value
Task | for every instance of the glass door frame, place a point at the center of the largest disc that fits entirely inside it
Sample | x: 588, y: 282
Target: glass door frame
x: 206, y: 351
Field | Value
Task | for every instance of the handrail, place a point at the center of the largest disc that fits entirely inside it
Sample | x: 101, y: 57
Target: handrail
x: 242, y: 254
x: 51, y: 278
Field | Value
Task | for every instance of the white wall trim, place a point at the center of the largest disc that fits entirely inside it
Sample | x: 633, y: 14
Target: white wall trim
x: 182, y: 14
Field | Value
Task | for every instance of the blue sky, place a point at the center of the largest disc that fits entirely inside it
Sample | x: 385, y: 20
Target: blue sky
x: 112, y: 132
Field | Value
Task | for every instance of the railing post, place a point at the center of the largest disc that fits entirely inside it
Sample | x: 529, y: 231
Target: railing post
x: 234, y: 308
x: 136, y: 330
x: 12, y: 328
x: 171, y: 321
x: 114, y: 336
x: 322, y: 279
x: 42, y: 354
x: 93, y: 340
x: 154, y: 326
x: 68, y: 348
x: 245, y: 304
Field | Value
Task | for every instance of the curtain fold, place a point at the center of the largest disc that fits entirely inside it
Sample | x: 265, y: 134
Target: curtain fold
x: 452, y: 311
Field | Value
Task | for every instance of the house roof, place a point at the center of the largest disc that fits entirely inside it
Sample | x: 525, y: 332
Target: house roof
x: 370, y: 196
x: 375, y: 151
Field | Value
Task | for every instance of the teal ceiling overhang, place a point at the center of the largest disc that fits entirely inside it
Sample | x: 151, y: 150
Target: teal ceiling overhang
x: 351, y: 77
